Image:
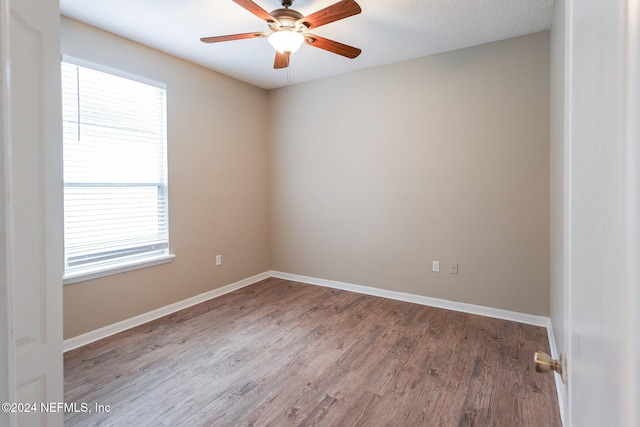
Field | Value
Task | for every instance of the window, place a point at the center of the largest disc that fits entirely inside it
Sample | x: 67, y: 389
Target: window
x: 115, y: 173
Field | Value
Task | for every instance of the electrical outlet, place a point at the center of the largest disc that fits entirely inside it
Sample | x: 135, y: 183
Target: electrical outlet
x: 436, y: 266
x: 453, y: 268
x: 218, y: 259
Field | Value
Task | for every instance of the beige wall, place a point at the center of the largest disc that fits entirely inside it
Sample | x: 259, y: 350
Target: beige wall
x: 218, y: 191
x: 375, y: 174
x: 369, y: 177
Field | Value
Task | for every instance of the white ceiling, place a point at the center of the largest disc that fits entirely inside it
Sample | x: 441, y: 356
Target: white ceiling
x: 387, y: 31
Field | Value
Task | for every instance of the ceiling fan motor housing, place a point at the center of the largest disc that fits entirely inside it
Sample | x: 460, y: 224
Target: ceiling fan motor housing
x: 286, y: 20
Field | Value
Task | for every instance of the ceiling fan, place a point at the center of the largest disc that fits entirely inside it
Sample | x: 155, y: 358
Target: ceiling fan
x: 289, y: 29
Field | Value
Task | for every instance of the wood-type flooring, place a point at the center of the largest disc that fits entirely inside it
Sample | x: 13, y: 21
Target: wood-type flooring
x: 282, y: 353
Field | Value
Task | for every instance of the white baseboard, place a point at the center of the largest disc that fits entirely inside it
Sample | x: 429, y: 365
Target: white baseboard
x: 115, y: 328
x: 561, y: 388
x: 497, y: 313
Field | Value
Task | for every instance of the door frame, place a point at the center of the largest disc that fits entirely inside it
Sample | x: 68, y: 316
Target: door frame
x: 31, y: 225
x: 613, y: 393
x: 632, y: 186
x: 7, y: 348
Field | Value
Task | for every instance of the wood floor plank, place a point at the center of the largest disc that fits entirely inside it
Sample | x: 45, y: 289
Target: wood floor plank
x: 281, y: 353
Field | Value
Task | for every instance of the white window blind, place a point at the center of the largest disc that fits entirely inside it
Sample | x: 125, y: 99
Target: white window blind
x: 115, y: 171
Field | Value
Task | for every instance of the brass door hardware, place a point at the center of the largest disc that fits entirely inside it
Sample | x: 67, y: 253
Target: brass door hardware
x: 544, y: 363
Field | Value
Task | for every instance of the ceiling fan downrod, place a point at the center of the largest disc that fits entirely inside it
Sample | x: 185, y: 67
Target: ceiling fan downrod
x: 287, y: 3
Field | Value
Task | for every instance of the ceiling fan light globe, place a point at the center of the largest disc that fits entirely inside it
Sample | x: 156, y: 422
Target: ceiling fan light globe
x: 286, y: 41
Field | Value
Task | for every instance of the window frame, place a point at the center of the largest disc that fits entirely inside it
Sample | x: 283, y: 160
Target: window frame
x: 93, y: 272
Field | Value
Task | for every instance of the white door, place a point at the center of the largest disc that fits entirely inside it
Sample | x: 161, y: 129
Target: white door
x: 604, y: 215
x: 31, y: 254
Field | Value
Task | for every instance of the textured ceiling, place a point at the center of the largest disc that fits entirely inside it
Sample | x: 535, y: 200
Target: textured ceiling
x: 386, y: 31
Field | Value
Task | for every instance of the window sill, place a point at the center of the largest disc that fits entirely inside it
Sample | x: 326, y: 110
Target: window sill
x: 116, y: 269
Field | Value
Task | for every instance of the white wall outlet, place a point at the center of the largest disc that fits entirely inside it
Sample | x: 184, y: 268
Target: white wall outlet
x: 435, y: 266
x: 218, y: 259
x: 453, y: 268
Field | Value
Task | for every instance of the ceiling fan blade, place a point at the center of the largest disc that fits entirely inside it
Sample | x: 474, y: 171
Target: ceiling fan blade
x: 256, y: 10
x: 335, y: 12
x: 216, y: 39
x: 282, y: 60
x: 332, y: 46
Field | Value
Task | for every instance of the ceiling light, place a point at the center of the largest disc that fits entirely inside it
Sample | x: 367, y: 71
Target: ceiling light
x: 286, y: 41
